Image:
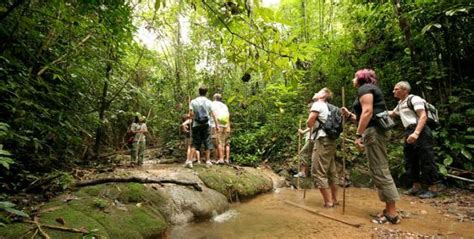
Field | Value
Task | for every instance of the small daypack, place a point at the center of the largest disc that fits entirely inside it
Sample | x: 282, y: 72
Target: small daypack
x: 201, y: 116
x: 333, y: 125
x: 431, y: 112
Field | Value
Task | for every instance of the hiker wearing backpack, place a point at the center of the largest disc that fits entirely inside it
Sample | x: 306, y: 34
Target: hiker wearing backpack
x: 418, y: 148
x: 323, y: 168
x: 200, y: 110
x: 372, y: 138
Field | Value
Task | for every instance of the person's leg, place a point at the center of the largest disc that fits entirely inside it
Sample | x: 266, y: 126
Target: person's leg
x: 134, y: 152
x: 220, y: 146
x: 374, y: 142
x: 207, y: 143
x: 141, y: 152
x: 320, y: 166
x: 332, y: 170
x: 207, y: 154
x: 429, y: 172
x: 334, y: 193
x: 326, y: 197
x: 227, y: 153
x: 195, y: 144
x: 390, y: 208
x: 412, y: 166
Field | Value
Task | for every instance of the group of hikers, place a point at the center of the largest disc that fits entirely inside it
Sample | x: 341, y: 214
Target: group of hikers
x: 208, y: 124
x: 371, y: 137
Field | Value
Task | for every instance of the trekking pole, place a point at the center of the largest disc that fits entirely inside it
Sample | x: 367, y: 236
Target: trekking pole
x: 343, y: 157
x: 299, y: 158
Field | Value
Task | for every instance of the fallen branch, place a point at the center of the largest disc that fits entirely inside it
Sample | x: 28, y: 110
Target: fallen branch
x: 67, y: 229
x: 135, y: 180
x: 460, y: 178
x: 43, y: 233
x: 323, y: 215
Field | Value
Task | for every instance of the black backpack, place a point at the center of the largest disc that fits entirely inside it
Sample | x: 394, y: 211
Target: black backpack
x: 431, y: 113
x: 333, y: 125
x: 201, y: 116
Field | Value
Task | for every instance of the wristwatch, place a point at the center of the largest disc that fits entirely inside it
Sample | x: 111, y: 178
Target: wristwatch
x: 358, y: 136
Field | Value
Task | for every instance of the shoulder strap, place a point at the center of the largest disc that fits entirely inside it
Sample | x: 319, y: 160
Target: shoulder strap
x: 409, y: 103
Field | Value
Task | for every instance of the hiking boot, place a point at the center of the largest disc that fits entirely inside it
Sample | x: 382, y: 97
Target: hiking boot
x: 413, y: 191
x: 427, y: 194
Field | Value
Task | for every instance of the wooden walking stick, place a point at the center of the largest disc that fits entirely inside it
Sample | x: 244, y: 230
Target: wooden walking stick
x: 356, y: 225
x: 299, y: 156
x: 343, y: 156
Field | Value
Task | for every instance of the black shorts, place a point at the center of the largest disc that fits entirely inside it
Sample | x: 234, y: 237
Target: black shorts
x: 201, y: 135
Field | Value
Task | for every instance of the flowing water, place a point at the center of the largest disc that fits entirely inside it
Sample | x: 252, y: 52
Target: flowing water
x: 268, y: 216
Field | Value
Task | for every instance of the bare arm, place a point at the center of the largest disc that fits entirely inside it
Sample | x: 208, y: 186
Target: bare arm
x: 366, y: 102
x: 419, y: 127
x: 313, y: 116
x: 215, y: 121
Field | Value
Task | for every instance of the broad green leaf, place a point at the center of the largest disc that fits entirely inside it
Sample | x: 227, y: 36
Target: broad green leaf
x: 16, y: 212
x: 448, y: 160
x: 6, y: 204
x: 466, y: 154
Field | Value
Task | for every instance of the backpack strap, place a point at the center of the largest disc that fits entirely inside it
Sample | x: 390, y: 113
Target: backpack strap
x: 410, y: 104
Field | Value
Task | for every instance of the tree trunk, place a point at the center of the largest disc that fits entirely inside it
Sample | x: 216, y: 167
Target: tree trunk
x: 404, y: 25
x: 102, y: 108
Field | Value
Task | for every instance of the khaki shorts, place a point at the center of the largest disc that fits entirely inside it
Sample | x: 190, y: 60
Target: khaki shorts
x: 223, y: 137
x: 374, y: 141
x: 324, y: 162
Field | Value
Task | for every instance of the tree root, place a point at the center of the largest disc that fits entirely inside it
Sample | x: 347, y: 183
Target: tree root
x: 136, y: 180
x: 61, y: 228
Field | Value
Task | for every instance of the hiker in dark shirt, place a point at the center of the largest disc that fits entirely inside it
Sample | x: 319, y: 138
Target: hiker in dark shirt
x: 372, y: 139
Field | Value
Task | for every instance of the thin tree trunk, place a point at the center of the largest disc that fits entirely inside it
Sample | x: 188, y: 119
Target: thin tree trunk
x: 404, y: 25
x: 102, y: 109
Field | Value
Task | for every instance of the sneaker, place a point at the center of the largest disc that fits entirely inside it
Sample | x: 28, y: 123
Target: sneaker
x: 220, y: 161
x: 413, y: 191
x: 227, y: 162
x: 209, y: 162
x: 188, y: 164
x: 427, y: 194
x: 299, y: 175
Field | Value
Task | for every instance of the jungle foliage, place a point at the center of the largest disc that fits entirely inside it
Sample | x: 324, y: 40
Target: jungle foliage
x: 74, y: 73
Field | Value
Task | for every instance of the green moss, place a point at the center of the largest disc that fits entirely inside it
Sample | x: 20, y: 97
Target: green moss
x: 229, y: 181
x: 99, y: 209
x: 16, y: 230
x: 72, y: 218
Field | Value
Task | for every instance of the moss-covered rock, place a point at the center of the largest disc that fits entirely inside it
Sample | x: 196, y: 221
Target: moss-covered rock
x: 134, y: 210
x: 107, y: 211
x: 230, y: 181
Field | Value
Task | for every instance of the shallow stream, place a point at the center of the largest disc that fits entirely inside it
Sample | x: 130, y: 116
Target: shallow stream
x: 268, y: 216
